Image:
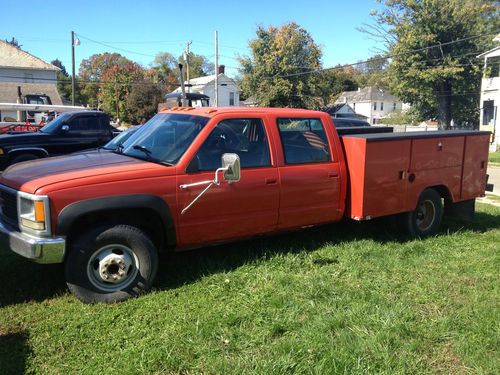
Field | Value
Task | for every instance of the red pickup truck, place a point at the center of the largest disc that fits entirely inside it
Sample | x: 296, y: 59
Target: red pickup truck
x: 197, y: 176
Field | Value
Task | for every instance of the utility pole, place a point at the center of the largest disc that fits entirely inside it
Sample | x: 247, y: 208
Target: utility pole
x: 73, y: 68
x: 187, y: 64
x: 216, y: 91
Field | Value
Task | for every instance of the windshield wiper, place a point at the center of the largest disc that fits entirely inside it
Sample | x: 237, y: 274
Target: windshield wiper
x: 143, y: 149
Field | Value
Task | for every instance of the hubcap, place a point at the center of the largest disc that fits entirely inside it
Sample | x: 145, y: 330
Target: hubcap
x: 426, y: 211
x: 112, y: 267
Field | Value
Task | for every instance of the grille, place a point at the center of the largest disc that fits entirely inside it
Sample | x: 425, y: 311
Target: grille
x: 8, y: 201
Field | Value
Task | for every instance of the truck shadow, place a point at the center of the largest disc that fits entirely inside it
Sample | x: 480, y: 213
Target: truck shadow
x: 24, y: 281
x: 14, y: 351
x: 177, y: 269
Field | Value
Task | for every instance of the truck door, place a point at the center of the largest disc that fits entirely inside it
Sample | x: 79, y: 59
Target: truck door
x: 230, y: 210
x: 84, y: 132
x: 310, y: 174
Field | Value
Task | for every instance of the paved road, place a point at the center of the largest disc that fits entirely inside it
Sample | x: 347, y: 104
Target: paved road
x: 494, y: 173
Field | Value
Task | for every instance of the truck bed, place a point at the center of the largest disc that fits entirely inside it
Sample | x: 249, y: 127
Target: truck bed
x: 389, y: 171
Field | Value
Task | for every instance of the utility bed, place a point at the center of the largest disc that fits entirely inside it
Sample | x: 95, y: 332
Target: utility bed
x: 389, y: 171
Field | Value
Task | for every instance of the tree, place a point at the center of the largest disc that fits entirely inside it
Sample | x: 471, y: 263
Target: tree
x: 333, y: 82
x: 165, y: 71
x: 199, y: 65
x: 278, y: 72
x: 64, y: 82
x: 433, y: 45
x: 373, y: 72
x: 14, y: 42
x: 143, y: 101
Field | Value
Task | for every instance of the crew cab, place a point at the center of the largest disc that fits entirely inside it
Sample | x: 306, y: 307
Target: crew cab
x: 191, y: 177
x: 70, y: 132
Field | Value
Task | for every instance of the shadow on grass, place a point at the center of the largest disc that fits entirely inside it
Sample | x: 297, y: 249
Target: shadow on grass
x: 24, y: 281
x: 14, y: 350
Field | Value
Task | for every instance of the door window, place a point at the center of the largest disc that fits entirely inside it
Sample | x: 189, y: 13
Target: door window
x: 84, y: 125
x: 245, y: 137
x: 304, y: 140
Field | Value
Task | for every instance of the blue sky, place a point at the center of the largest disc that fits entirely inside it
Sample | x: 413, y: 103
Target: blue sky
x: 149, y: 27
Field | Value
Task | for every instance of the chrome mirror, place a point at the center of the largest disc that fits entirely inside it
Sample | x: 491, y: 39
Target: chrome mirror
x: 231, y: 167
x: 65, y: 128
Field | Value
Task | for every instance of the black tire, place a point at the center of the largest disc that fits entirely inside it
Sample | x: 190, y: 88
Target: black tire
x: 426, y: 219
x: 23, y: 157
x: 96, y: 255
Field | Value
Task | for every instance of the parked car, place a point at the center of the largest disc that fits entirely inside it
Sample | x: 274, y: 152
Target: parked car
x: 345, y: 122
x: 70, y: 132
x: 117, y: 141
x: 194, y: 177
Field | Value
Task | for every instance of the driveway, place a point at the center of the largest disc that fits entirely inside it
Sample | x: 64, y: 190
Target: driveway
x: 494, y: 179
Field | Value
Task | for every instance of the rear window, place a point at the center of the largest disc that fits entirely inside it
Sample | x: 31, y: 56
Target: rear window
x: 304, y: 140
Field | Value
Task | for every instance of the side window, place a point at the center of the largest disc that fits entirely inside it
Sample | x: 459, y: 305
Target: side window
x: 304, y: 140
x: 245, y: 137
x: 84, y: 125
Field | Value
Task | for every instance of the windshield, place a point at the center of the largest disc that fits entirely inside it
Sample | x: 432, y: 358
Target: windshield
x: 164, y: 138
x: 55, y: 124
x: 120, y: 139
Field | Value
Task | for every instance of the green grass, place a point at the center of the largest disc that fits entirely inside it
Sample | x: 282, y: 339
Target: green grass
x: 347, y: 298
x: 494, y: 157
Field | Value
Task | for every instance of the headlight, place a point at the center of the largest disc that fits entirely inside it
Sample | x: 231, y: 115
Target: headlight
x: 33, y: 212
x: 1, y: 151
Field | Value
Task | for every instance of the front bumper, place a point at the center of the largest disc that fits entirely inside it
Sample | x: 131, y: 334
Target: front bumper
x: 38, y: 249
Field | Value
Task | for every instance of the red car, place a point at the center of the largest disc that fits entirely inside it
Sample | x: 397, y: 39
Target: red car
x: 196, y: 176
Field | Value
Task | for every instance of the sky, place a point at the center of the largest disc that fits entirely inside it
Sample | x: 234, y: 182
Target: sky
x: 141, y: 29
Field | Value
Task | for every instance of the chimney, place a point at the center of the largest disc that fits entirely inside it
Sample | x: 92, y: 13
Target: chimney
x: 221, y: 69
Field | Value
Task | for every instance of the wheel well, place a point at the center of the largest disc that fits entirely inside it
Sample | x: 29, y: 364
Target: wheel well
x: 143, y: 218
x: 38, y: 153
x: 443, y: 191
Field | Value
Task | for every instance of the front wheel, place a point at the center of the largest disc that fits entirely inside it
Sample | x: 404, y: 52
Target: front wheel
x: 111, y: 264
x: 426, y: 219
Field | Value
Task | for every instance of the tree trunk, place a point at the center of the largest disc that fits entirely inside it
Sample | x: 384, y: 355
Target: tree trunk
x: 444, y: 109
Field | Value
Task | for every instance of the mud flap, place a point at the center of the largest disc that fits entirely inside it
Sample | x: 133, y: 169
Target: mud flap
x: 461, y: 210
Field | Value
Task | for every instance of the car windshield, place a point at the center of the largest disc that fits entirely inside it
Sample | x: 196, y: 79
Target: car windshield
x: 56, y: 123
x: 164, y: 138
x: 120, y: 139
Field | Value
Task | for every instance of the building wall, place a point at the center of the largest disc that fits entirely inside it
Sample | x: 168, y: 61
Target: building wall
x: 374, y: 115
x: 490, y: 91
x: 223, y: 94
x: 28, y: 75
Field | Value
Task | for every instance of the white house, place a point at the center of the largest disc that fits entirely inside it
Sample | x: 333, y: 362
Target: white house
x: 228, y: 93
x: 32, y: 74
x: 490, y: 94
x: 371, y: 102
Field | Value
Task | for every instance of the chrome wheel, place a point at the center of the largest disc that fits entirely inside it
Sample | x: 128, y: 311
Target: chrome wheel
x: 426, y: 213
x: 112, y: 267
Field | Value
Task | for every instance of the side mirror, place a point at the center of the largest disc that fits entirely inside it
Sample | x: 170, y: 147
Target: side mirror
x: 64, y: 128
x: 232, y: 166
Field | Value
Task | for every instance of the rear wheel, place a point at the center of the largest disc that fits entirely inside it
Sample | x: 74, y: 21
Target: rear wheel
x: 426, y: 219
x: 111, y: 264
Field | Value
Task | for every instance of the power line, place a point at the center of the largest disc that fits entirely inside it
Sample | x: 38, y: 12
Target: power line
x: 115, y: 48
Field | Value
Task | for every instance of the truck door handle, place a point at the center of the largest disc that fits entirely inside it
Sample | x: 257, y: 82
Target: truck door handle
x: 271, y: 181
x: 333, y: 174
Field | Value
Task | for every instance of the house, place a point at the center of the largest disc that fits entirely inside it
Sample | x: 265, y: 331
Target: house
x: 372, y: 102
x: 490, y: 94
x: 228, y: 93
x: 19, y: 68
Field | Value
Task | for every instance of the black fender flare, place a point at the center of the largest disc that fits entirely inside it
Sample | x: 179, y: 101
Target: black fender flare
x: 21, y: 150
x: 72, y: 212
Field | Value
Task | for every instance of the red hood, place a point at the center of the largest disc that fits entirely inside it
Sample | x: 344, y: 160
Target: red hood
x: 32, y: 175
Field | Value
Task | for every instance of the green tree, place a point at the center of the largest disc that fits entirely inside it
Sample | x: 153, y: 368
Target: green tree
x: 143, y: 100
x: 199, y: 65
x: 440, y: 82
x: 278, y: 72
x: 165, y: 71
x: 64, y: 82
x: 373, y: 72
x: 333, y: 82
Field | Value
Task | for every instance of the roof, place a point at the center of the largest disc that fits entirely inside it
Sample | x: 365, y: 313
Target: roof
x: 8, y: 91
x: 199, y: 82
x: 485, y: 54
x: 213, y: 111
x: 367, y: 94
x: 13, y: 57
x: 334, y: 108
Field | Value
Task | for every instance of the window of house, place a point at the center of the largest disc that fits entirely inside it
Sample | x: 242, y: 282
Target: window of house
x: 245, y: 137
x: 393, y: 106
x: 381, y: 106
x: 231, y: 98
x: 374, y: 106
x: 488, y: 111
x: 304, y: 140
x: 354, y: 106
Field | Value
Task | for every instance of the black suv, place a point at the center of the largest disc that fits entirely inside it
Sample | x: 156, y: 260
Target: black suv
x: 70, y: 132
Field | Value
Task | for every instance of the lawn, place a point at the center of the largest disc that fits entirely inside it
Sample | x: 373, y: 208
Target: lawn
x: 494, y: 157
x: 347, y: 298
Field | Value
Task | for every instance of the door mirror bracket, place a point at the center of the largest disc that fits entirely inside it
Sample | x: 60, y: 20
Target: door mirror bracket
x: 231, y: 169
